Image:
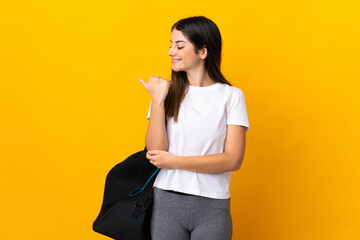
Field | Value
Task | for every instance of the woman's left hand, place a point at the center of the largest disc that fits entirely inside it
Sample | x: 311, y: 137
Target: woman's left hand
x: 161, y: 159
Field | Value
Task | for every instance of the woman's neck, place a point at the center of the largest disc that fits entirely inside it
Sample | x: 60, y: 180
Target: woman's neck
x: 199, y: 78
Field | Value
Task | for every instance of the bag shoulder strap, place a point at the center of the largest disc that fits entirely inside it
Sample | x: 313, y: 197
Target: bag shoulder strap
x: 145, y: 196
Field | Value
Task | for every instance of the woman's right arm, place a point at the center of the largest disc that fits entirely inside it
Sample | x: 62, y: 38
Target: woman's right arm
x: 156, y: 136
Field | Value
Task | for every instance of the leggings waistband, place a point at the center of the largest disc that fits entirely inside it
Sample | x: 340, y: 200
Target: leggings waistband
x: 174, y: 199
x: 175, y: 192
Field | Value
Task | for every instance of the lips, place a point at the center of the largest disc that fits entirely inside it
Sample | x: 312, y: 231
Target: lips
x: 176, y: 60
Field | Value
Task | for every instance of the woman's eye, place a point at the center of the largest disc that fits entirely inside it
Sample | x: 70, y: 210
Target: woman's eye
x: 179, y: 47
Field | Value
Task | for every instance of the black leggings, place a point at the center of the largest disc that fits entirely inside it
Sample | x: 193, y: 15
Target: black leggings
x: 183, y: 217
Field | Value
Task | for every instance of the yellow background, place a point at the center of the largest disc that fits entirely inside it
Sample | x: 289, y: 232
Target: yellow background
x: 71, y: 109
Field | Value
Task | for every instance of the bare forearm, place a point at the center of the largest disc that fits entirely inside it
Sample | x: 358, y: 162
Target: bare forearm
x: 156, y: 136
x: 214, y: 163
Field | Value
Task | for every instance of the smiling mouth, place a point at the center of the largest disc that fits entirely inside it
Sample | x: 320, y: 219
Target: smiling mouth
x: 175, y: 61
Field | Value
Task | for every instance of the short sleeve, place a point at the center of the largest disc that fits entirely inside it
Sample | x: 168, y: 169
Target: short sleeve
x: 148, y: 116
x: 236, y: 110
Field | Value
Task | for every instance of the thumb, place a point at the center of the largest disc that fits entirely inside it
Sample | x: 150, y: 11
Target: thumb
x: 143, y: 83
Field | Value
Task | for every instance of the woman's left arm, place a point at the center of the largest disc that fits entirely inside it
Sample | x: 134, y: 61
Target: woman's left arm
x: 229, y: 160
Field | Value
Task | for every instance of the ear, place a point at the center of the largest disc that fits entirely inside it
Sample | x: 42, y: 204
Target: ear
x: 203, y: 52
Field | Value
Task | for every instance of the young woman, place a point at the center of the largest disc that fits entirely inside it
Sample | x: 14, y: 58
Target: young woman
x: 196, y: 136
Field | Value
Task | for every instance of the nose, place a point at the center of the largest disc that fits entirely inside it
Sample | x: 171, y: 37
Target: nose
x: 171, y: 52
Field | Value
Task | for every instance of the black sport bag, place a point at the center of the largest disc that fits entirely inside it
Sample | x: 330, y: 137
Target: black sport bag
x: 127, y: 204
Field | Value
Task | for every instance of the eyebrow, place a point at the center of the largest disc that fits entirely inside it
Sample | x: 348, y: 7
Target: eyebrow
x: 178, y: 41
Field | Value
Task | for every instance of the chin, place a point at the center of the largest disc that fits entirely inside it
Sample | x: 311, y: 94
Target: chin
x: 177, y: 69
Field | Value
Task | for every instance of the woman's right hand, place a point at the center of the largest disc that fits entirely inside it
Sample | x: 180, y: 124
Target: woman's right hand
x: 157, y: 87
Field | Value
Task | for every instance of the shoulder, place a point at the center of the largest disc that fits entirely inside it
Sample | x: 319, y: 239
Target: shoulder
x: 231, y: 90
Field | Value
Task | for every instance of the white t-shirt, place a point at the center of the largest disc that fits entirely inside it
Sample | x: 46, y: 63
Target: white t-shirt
x: 201, y: 130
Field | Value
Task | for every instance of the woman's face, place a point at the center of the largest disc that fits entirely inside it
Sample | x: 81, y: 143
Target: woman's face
x: 182, y: 52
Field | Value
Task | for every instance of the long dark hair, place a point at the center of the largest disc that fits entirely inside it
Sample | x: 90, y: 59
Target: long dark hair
x: 200, y: 31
